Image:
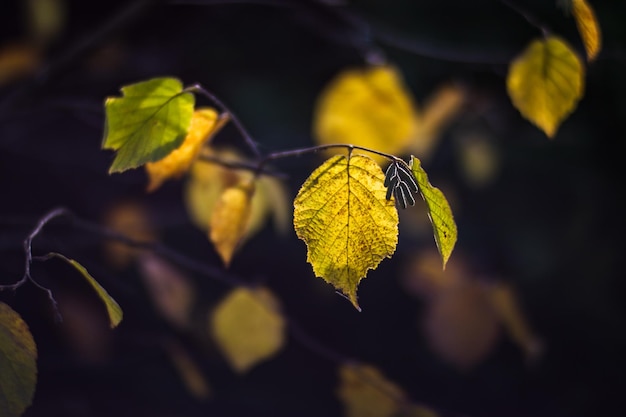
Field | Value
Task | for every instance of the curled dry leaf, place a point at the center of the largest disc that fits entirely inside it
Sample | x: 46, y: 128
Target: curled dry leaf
x: 248, y: 327
x: 205, y: 123
x: 229, y: 219
x: 171, y: 291
x: 208, y: 181
x: 588, y: 27
x: 370, y: 107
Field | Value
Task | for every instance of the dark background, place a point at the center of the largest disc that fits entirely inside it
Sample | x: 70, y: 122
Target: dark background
x: 550, y: 222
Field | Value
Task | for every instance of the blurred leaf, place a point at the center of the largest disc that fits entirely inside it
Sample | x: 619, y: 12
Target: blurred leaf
x: 189, y: 371
x: 170, y: 290
x: 113, y: 309
x: 229, y: 219
x: 370, y: 107
x: 479, y: 158
x: 18, y: 367
x: 46, y: 18
x: 348, y: 225
x: 205, y: 123
x: 207, y: 182
x: 148, y: 122
x: 439, y: 212
x: 510, y: 313
x: 461, y: 325
x: 365, y: 392
x: 546, y: 82
x: 588, y: 27
x: 441, y: 108
x: 133, y: 220
x: 18, y: 60
x: 424, y: 277
x: 248, y: 327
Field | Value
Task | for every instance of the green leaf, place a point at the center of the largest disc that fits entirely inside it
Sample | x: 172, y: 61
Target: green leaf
x: 439, y: 211
x: 113, y: 309
x: 18, y: 367
x: 147, y: 123
x: 342, y: 214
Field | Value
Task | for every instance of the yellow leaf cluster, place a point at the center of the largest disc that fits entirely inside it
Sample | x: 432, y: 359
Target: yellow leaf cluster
x: 208, y: 182
x: 205, y: 123
x: 588, y: 27
x: 369, y: 107
x: 546, y: 82
x: 248, y: 327
x: 342, y: 214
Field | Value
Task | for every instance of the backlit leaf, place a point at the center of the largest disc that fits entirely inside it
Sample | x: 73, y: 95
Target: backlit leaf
x: 365, y: 392
x: 208, y: 181
x: 18, y: 366
x: 348, y: 225
x: 546, y: 82
x: 439, y: 212
x: 113, y: 309
x: 369, y: 107
x: 148, y: 122
x: 588, y: 27
x: 205, y: 123
x: 248, y: 327
x: 230, y: 219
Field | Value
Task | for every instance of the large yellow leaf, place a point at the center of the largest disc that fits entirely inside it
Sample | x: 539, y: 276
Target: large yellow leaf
x: 439, y: 212
x: 546, y: 82
x: 18, y: 367
x: 365, y: 392
x: 369, y: 107
x: 230, y: 219
x: 248, y: 327
x: 348, y: 225
x: 205, y: 123
x: 588, y: 27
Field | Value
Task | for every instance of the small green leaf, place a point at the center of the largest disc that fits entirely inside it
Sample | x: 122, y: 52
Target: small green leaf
x: 148, y: 122
x: 439, y: 212
x: 114, y: 310
x: 18, y: 367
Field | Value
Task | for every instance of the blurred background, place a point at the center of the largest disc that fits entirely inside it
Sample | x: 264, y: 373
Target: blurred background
x: 527, y: 320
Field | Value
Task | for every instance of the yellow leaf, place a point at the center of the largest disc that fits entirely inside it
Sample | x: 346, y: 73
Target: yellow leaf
x: 205, y: 123
x: 546, y: 82
x: 588, y: 27
x: 113, y: 308
x: 189, y: 371
x: 365, y: 392
x: 248, y: 327
x: 208, y: 181
x: 171, y: 291
x: 230, y: 219
x: 348, y: 225
x: 439, y: 212
x: 369, y: 107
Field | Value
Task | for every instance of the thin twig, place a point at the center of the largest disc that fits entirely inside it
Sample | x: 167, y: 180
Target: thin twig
x: 530, y: 18
x: 28, y: 259
x: 197, y: 88
x: 207, y: 157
